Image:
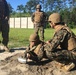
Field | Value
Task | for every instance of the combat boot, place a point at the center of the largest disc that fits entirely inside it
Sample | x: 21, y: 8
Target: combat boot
x: 2, y: 47
x: 68, y: 67
x: 6, y: 48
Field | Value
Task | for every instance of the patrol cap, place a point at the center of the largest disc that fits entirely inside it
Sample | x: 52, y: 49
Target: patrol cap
x: 55, y: 17
x: 34, y: 37
x: 38, y: 6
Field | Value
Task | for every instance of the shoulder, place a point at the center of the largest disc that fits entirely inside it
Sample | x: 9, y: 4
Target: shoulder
x: 42, y: 12
x: 64, y: 29
x: 61, y: 32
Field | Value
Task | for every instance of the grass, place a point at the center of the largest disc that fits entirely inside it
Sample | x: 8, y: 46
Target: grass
x: 19, y: 37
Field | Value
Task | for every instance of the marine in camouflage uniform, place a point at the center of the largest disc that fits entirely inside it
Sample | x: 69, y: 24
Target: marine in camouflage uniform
x: 4, y: 26
x: 35, y: 49
x: 39, y: 19
x: 62, y: 47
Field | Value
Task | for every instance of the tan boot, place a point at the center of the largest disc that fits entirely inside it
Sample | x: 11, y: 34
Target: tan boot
x: 6, y: 48
x: 1, y: 47
x: 59, y: 65
x: 68, y: 67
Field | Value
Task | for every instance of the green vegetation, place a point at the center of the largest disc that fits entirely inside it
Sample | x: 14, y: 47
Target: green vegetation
x: 67, y: 8
x: 19, y: 37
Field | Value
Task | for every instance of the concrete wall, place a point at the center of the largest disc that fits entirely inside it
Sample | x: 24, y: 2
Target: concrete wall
x: 23, y: 22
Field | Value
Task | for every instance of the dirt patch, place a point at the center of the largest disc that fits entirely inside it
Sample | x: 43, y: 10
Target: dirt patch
x: 11, y: 66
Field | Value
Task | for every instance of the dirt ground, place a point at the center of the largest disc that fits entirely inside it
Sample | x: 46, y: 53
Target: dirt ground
x: 9, y: 65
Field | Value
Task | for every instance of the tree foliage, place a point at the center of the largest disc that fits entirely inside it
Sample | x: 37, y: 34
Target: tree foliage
x: 20, y: 8
x: 67, y: 8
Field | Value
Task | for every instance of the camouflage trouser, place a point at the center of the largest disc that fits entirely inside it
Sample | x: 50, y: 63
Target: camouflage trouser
x: 4, y: 28
x: 60, y: 55
x: 41, y: 29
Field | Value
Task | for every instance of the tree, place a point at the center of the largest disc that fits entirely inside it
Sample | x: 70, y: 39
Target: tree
x: 31, y: 5
x: 20, y: 8
x: 67, y: 8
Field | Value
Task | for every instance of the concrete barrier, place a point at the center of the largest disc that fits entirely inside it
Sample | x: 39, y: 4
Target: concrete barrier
x: 23, y: 22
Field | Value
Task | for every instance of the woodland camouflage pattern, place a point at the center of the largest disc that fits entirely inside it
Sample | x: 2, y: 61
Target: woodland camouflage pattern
x: 39, y: 18
x: 61, y: 38
x: 36, y: 51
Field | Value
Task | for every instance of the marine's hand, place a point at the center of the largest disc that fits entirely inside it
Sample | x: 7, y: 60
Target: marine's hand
x: 47, y: 42
x: 6, y: 18
x: 28, y: 55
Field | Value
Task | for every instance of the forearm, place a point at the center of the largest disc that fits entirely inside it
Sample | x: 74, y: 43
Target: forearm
x: 57, y: 39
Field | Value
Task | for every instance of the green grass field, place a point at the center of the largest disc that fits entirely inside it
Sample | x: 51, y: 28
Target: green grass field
x: 19, y: 37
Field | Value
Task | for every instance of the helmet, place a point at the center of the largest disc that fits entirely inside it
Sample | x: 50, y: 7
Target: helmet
x: 34, y: 37
x: 55, y: 17
x: 38, y: 6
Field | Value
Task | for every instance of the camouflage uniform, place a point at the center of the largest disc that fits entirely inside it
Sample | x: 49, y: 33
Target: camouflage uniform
x: 62, y: 46
x: 4, y: 17
x: 36, y: 51
x: 39, y: 18
x: 67, y: 43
